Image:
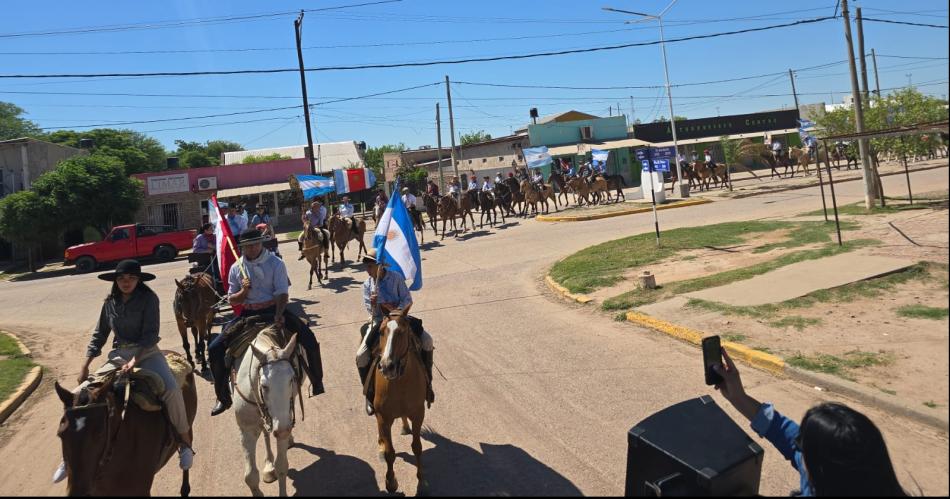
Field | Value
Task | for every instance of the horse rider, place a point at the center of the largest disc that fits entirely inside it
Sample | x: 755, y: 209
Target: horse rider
x: 346, y: 212
x: 487, y: 185
x: 498, y: 178
x: 538, y: 180
x: 258, y: 283
x: 202, y: 249
x: 455, y: 188
x: 317, y: 217
x: 383, y: 292
x: 473, y: 183
x: 707, y: 156
x: 812, y: 144
x: 270, y: 239
x: 777, y: 150
x: 131, y: 312
x: 260, y: 217
x: 432, y: 189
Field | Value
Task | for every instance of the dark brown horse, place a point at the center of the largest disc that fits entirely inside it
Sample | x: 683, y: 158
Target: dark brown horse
x: 400, y: 394
x: 517, y: 197
x: 487, y: 204
x: 108, y: 455
x: 448, y: 209
x: 559, y: 183
x: 194, y: 304
x: 341, y: 234
x: 467, y: 204
x: 432, y: 210
x: 616, y: 183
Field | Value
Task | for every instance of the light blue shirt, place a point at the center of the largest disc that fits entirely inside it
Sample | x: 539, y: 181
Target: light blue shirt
x: 237, y: 224
x: 317, y: 219
x: 268, y: 276
x: 392, y: 290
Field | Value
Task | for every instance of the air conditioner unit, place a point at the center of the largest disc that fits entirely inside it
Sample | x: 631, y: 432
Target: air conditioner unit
x: 587, y: 133
x: 207, y: 183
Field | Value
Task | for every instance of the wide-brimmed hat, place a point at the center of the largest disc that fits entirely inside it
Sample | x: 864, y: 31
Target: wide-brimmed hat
x: 131, y: 267
x: 405, y: 189
x: 370, y: 257
x: 251, y: 236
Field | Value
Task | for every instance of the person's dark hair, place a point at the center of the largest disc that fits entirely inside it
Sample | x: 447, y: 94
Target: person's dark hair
x: 205, y: 227
x: 845, y: 453
x: 116, y: 294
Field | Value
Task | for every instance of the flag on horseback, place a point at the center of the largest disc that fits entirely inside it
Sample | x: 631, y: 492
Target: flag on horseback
x: 536, y: 157
x: 395, y: 242
x: 225, y: 247
x: 314, y: 185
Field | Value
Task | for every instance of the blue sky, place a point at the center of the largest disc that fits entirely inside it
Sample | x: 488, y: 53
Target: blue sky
x: 423, y: 30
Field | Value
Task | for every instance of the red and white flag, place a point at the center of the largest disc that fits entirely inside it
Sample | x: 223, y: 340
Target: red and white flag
x: 354, y: 180
x: 225, y: 247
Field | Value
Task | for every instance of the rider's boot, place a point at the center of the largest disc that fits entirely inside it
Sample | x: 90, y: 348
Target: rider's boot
x: 364, y: 372
x: 222, y: 390
x: 315, y: 370
x: 427, y: 362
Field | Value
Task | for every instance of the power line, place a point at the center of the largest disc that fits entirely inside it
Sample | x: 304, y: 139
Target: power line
x: 905, y: 23
x: 420, y: 64
x: 912, y: 57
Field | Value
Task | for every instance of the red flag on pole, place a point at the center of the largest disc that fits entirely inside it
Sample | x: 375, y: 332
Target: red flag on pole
x: 225, y: 248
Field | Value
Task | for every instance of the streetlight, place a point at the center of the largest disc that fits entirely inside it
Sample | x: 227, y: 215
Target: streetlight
x: 684, y: 189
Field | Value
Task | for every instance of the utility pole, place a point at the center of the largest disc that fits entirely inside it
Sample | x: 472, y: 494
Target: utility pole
x: 863, y: 60
x: 791, y: 76
x: 448, y: 93
x: 438, y: 132
x: 684, y: 189
x: 298, y: 27
x: 877, y: 82
x: 631, y: 110
x: 870, y: 193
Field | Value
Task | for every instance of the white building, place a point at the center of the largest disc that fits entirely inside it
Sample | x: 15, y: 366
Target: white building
x: 328, y: 156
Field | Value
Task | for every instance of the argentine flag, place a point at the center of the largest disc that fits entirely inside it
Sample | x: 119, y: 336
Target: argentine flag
x: 315, y: 185
x: 536, y: 157
x: 395, y: 242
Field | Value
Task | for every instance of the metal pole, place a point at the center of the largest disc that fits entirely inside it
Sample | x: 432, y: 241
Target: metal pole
x: 870, y: 192
x: 298, y: 26
x: 863, y: 59
x: 821, y: 182
x: 791, y: 77
x: 438, y: 128
x: 910, y: 195
x: 877, y: 82
x: 656, y: 221
x: 448, y: 93
x: 831, y: 182
x: 684, y: 189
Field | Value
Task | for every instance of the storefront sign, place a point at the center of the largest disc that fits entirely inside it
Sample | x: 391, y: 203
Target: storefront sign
x: 717, y: 126
x: 168, y: 184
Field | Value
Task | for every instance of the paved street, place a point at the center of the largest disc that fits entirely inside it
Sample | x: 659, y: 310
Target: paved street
x: 536, y: 398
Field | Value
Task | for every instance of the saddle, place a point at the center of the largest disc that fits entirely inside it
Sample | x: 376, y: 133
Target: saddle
x: 147, y: 386
x: 243, y: 331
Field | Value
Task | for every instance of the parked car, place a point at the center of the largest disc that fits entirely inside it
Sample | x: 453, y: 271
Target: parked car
x: 130, y: 241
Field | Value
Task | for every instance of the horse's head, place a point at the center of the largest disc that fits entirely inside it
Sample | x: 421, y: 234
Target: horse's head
x: 394, y: 340
x: 194, y: 291
x: 85, y: 432
x: 277, y: 385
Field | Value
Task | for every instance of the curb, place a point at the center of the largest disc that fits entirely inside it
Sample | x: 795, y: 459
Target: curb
x: 29, y: 384
x: 776, y: 366
x: 598, y: 216
x: 806, y: 186
x: 561, y: 290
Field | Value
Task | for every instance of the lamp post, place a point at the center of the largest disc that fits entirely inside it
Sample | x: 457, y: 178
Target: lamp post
x: 684, y: 189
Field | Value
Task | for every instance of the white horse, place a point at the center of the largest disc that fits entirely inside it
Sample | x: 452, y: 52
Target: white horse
x: 266, y: 386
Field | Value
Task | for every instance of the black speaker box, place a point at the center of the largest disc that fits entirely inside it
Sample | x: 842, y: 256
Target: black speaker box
x: 692, y: 448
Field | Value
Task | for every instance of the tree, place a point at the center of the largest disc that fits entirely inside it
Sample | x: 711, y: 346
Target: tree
x: 28, y: 219
x: 12, y: 126
x: 138, y: 152
x: 196, y: 154
x: 194, y: 159
x: 474, y: 137
x: 263, y: 158
x: 663, y: 119
x: 90, y: 191
x: 373, y: 157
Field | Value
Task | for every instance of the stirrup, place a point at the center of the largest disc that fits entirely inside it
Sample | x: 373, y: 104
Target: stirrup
x: 370, y: 410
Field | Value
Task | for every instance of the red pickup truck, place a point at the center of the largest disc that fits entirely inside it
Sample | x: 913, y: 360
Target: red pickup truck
x: 130, y: 241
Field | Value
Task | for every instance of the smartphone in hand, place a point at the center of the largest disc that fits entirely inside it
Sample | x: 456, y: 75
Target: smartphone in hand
x: 712, y: 355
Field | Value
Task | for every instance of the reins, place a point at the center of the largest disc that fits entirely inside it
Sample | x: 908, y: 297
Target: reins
x: 267, y: 421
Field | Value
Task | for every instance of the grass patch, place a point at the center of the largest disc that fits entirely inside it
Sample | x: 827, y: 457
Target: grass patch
x: 796, y: 321
x: 806, y: 234
x: 859, y: 208
x: 764, y: 349
x: 632, y: 299
x: 931, y: 404
x: 13, y: 366
x: 621, y: 317
x: 923, y: 312
x: 605, y: 264
x: 734, y: 337
x: 841, y: 366
x: 885, y: 390
x: 294, y: 234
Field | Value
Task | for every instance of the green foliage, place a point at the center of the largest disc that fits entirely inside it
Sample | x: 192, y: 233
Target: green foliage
x: 730, y: 150
x: 138, y: 152
x: 194, y: 159
x: 196, y: 154
x: 12, y: 126
x: 90, y: 191
x: 373, y: 157
x: 924, y: 312
x: 841, y: 366
x: 26, y: 218
x: 263, y: 158
x: 474, y: 137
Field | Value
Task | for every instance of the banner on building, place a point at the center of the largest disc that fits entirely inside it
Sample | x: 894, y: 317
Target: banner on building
x: 355, y: 180
x: 537, y: 157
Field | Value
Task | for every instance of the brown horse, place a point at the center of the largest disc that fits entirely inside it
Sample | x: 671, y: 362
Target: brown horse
x: 581, y: 190
x: 107, y: 454
x: 517, y: 197
x: 341, y: 235
x: 316, y: 242
x: 533, y: 196
x: 448, y: 209
x: 559, y: 183
x: 194, y: 304
x: 599, y: 191
x: 400, y: 394
x: 800, y: 158
x: 616, y: 183
x: 467, y: 204
x: 432, y: 210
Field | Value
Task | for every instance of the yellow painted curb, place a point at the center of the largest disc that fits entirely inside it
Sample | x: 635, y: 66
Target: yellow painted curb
x: 557, y: 288
x: 32, y: 380
x: 598, y: 216
x: 755, y: 358
x: 23, y: 349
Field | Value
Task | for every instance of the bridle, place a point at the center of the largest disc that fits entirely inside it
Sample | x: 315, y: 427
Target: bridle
x: 401, y: 361
x: 267, y: 421
x: 112, y: 434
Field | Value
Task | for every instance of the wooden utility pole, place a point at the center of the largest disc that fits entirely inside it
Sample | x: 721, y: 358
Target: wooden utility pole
x: 870, y: 193
x: 863, y: 60
x: 877, y: 82
x: 448, y: 93
x: 438, y: 133
x: 298, y: 27
x: 791, y: 77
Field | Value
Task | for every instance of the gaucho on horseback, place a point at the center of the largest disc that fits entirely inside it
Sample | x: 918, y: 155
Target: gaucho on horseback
x: 131, y: 312
x: 316, y: 217
x: 380, y: 297
x: 259, y: 284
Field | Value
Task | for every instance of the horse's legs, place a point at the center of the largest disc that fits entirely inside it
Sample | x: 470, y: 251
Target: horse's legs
x: 310, y: 284
x: 326, y: 265
x: 183, y: 331
x: 384, y: 429
x: 405, y: 427
x: 422, y: 485
x: 269, y: 475
x: 249, y: 445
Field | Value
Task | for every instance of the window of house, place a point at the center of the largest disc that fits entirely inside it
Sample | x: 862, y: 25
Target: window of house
x: 469, y: 161
x: 519, y: 157
x: 501, y: 158
x: 484, y: 160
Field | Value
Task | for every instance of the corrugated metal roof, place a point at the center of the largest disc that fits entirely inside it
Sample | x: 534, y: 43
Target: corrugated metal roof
x: 328, y: 156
